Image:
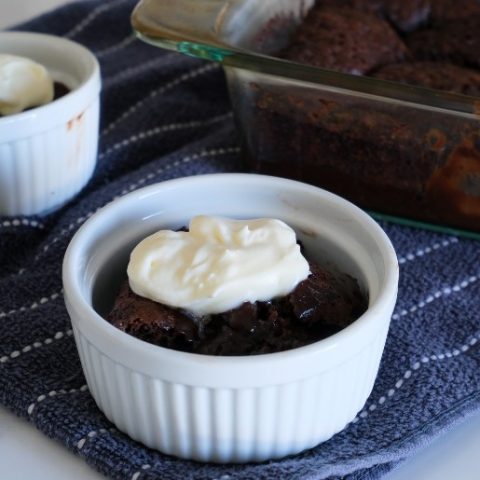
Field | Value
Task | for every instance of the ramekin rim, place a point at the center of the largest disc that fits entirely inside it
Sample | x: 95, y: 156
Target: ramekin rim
x: 384, y: 299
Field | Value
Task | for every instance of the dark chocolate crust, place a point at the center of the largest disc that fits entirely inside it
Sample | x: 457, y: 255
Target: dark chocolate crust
x: 319, y: 306
x: 366, y: 37
x: 345, y: 40
x: 361, y: 36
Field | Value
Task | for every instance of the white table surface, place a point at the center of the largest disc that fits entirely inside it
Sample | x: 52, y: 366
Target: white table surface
x: 27, y: 454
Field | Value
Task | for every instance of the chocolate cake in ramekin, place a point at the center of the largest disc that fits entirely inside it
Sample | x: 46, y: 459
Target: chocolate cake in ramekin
x: 229, y: 408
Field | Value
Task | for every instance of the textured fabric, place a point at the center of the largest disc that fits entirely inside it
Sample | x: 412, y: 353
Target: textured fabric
x: 166, y: 115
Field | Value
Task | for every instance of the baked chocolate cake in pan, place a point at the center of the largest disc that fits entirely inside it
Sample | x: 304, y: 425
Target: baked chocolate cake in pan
x: 391, y: 157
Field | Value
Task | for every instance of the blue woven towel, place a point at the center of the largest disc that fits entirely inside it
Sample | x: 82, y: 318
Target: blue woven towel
x: 166, y: 115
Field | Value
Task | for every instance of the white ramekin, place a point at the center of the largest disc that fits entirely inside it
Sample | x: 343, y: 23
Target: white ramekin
x: 229, y: 409
x: 48, y: 153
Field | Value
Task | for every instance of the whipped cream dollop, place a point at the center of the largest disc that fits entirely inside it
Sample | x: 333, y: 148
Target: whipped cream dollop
x: 218, y: 264
x: 23, y: 84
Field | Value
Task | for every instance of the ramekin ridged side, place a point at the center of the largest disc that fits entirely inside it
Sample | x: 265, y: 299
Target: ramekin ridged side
x: 43, y: 171
x: 230, y: 424
x: 48, y: 153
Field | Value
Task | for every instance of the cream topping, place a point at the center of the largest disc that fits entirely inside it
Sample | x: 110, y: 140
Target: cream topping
x: 23, y: 84
x: 218, y: 264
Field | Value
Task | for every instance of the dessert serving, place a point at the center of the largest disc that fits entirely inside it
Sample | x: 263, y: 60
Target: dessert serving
x: 375, y: 100
x: 49, y: 117
x: 232, y: 287
x: 235, y: 407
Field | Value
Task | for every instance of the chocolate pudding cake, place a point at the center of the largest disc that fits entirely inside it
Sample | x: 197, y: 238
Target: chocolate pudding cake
x: 317, y: 307
x: 386, y: 156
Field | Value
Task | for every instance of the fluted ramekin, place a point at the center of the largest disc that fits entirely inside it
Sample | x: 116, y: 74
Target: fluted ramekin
x: 48, y: 153
x: 229, y: 409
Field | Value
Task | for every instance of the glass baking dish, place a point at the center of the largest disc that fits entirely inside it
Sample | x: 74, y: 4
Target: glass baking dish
x: 407, y: 153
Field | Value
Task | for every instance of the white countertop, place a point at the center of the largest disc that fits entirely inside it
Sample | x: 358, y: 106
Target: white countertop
x: 27, y: 454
